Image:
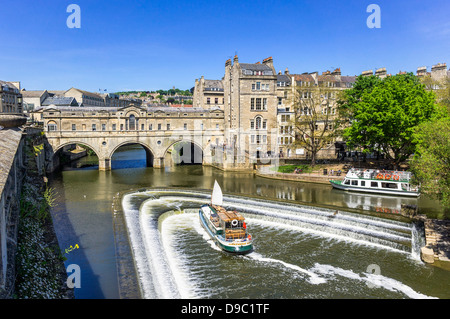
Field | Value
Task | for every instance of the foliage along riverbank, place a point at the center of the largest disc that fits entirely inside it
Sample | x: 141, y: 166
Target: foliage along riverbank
x: 40, y: 271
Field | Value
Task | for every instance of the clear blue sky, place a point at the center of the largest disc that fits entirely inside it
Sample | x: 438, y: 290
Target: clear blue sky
x: 148, y: 45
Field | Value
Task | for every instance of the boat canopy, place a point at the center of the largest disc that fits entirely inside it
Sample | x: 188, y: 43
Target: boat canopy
x: 228, y: 216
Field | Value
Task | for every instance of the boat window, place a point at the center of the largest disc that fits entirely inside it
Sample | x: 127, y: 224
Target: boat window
x: 389, y: 185
x: 404, y: 186
x: 363, y: 183
x: 373, y: 184
x: 354, y: 182
x: 347, y: 182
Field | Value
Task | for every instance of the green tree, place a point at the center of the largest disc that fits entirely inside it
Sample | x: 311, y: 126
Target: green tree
x: 431, y: 163
x: 383, y: 114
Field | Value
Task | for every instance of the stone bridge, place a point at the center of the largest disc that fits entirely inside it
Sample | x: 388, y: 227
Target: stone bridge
x: 169, y: 135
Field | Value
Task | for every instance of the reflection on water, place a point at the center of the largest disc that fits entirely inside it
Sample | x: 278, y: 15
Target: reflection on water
x: 84, y: 214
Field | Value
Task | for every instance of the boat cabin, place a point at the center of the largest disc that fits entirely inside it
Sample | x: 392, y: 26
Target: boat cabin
x: 231, y: 221
x: 377, y: 184
x: 379, y: 179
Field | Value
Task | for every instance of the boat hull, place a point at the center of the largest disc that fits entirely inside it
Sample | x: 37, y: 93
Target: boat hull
x: 350, y: 188
x: 235, y: 247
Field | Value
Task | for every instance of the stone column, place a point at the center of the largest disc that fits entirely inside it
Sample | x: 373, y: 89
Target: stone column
x: 158, y: 162
x: 104, y: 164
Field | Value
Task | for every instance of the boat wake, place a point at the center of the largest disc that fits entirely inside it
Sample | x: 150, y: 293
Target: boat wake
x: 158, y: 220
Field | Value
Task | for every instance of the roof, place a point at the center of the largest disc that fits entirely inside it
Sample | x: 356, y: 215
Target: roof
x: 348, y: 78
x: 96, y: 95
x: 9, y: 85
x: 267, y: 70
x: 303, y: 77
x: 283, y: 78
x: 165, y: 109
x: 37, y: 93
x: 218, y: 84
x: 328, y: 78
x: 59, y: 100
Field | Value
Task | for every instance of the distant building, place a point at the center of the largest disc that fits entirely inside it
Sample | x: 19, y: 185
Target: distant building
x: 208, y: 93
x: 85, y: 98
x: 10, y: 98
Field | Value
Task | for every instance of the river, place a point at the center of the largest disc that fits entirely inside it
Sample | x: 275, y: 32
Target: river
x: 303, y: 248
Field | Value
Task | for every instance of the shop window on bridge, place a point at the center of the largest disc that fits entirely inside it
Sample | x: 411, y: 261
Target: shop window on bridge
x: 51, y: 126
x: 132, y: 123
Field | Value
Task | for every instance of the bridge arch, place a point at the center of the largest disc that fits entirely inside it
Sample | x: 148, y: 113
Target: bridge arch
x: 150, y: 154
x: 61, y: 146
x: 187, y: 152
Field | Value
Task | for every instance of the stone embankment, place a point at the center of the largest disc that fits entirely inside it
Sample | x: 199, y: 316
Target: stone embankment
x: 437, y: 235
x: 313, y: 177
x: 32, y: 265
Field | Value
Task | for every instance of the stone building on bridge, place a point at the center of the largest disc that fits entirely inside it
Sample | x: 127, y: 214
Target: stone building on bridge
x: 167, y: 134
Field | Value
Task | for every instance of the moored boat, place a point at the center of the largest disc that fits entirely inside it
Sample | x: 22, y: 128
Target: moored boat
x: 227, y: 228
x: 378, y: 182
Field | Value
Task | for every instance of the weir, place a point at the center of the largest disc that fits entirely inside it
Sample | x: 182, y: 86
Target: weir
x: 164, y: 274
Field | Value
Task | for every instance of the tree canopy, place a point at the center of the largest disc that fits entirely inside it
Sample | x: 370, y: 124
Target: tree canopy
x: 431, y: 163
x: 383, y: 114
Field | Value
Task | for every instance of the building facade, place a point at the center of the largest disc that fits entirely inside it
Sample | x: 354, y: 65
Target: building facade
x: 10, y: 98
x: 250, y: 109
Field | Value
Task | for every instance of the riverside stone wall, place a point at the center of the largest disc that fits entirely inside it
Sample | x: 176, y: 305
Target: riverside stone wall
x: 11, y: 178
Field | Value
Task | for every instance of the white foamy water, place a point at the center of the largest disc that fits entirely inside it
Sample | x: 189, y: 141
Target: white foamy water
x: 313, y: 277
x: 375, y: 281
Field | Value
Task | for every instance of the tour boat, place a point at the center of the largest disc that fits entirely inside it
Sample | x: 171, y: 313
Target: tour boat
x: 227, y: 228
x: 378, y: 182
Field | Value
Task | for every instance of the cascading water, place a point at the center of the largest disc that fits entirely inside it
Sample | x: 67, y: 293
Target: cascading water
x: 294, y: 247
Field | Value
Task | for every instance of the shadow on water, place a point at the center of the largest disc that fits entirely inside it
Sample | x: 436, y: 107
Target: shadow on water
x: 68, y: 236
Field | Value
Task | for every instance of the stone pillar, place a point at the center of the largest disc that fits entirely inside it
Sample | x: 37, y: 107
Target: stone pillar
x: 158, y: 162
x: 104, y: 164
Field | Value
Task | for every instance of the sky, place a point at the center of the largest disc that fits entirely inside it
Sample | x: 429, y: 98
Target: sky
x: 151, y: 45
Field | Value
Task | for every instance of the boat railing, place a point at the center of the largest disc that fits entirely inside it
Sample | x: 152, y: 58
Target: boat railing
x: 379, y: 174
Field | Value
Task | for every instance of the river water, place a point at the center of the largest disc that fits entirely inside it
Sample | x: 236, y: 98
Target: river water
x: 303, y: 247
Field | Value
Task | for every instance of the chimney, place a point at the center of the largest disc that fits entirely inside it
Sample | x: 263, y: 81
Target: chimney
x: 336, y: 72
x: 439, y: 71
x: 236, y: 59
x: 367, y: 73
x: 381, y: 73
x: 268, y: 61
x: 286, y: 71
x: 421, y: 71
x: 228, y: 62
x: 326, y: 72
